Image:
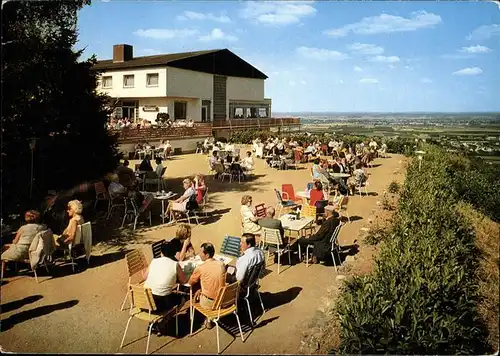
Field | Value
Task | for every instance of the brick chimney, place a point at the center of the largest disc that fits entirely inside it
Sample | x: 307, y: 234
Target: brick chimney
x: 122, y: 52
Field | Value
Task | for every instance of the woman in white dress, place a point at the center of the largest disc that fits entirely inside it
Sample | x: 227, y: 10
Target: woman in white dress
x: 180, y: 204
x: 248, y: 218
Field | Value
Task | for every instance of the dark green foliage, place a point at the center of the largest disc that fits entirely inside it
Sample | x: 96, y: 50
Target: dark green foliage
x: 246, y: 136
x: 50, y: 95
x: 376, y: 235
x: 422, y: 297
x: 394, y: 187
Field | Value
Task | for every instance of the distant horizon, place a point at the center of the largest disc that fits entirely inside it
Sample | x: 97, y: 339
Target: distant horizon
x: 387, y: 112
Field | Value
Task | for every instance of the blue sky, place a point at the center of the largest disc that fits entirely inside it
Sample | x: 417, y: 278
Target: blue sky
x: 326, y: 56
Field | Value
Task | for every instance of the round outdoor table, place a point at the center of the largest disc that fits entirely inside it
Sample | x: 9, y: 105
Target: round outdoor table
x: 162, y: 197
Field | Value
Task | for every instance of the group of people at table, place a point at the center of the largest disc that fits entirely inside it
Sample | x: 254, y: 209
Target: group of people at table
x: 165, y: 273
x: 18, y: 250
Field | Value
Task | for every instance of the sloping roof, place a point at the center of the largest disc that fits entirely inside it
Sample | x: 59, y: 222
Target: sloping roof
x: 216, y: 61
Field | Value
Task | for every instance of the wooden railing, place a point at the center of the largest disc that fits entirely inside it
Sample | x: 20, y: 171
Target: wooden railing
x: 199, y: 130
x: 255, y: 123
x: 160, y: 133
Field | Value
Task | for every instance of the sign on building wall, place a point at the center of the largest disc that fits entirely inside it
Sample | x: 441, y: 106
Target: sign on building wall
x: 150, y: 108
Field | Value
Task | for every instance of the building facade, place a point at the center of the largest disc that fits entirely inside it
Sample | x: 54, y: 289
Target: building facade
x: 204, y: 86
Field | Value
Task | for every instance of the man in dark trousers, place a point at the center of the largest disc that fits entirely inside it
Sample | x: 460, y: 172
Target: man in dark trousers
x: 321, y: 239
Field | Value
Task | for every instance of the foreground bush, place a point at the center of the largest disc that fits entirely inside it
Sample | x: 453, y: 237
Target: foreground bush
x: 423, y: 295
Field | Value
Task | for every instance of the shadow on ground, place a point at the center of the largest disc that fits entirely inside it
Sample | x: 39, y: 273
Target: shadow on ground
x: 35, y: 313
x: 16, y: 304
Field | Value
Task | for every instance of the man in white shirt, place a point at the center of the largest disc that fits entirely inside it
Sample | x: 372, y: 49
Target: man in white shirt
x: 252, y: 256
x: 163, y: 275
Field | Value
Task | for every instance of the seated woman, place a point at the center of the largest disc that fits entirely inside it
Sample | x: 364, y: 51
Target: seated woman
x: 115, y: 188
x: 199, y: 186
x: 75, y: 209
x: 247, y: 163
x: 248, y: 218
x: 358, y: 177
x: 19, y: 249
x: 180, y: 204
x: 316, y: 194
x: 180, y: 245
x: 146, y: 164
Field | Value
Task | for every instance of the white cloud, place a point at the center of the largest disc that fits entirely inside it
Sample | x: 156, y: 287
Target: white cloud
x: 191, y: 15
x: 384, y: 59
x: 369, y: 81
x: 385, y: 23
x: 218, y: 35
x: 365, y: 48
x: 358, y: 69
x: 475, y: 49
x: 291, y: 83
x: 426, y: 80
x: 457, y: 56
x: 277, y: 12
x: 164, y: 33
x: 484, y: 32
x: 320, y: 53
x: 468, y: 71
x: 303, y: 82
x: 341, y: 81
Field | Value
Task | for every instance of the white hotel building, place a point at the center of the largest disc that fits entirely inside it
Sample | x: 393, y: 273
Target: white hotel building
x: 207, y: 86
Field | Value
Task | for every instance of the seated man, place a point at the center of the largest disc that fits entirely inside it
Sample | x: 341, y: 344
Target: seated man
x: 270, y: 222
x: 163, y: 274
x: 126, y: 175
x: 252, y: 256
x: 321, y: 239
x: 211, y: 275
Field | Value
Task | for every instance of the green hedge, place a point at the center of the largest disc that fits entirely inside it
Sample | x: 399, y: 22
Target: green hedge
x: 422, y: 296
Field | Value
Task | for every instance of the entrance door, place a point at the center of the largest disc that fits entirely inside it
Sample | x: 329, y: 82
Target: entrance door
x: 204, y: 113
x: 128, y: 112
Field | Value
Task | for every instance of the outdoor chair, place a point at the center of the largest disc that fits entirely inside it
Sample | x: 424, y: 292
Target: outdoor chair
x: 342, y: 207
x: 156, y: 248
x: 224, y: 172
x: 260, y: 210
x: 137, y: 267
x: 135, y: 212
x: 199, y: 147
x: 288, y: 193
x: 335, y: 248
x: 231, y: 246
x: 101, y: 193
x: 251, y: 284
x: 142, y: 306
x: 83, y: 238
x: 153, y: 178
x: 116, y: 201
x: 283, y: 203
x: 363, y: 184
x: 309, y: 212
x: 271, y: 239
x: 46, y: 236
x: 226, y: 303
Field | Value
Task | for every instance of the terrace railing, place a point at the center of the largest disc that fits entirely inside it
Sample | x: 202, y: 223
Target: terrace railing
x: 160, y: 133
x: 255, y: 123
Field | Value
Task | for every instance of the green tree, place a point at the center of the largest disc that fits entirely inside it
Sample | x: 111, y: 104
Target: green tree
x: 49, y: 94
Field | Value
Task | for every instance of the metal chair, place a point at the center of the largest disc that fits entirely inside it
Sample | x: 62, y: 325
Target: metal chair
x: 252, y: 284
x: 136, y: 263
x: 156, y: 248
x: 226, y: 303
x: 272, y: 238
x: 334, y: 248
x: 283, y: 203
x: 142, y: 306
x: 231, y: 246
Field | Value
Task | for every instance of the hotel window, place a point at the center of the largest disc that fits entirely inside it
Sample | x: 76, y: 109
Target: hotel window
x: 128, y: 81
x: 238, y: 113
x: 107, y: 82
x: 180, y: 110
x: 262, y: 112
x: 152, y: 80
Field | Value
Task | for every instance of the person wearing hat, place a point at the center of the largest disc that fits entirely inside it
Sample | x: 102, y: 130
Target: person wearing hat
x: 321, y: 239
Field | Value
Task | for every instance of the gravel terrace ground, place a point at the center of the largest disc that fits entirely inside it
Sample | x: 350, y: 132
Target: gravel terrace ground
x: 81, y: 311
